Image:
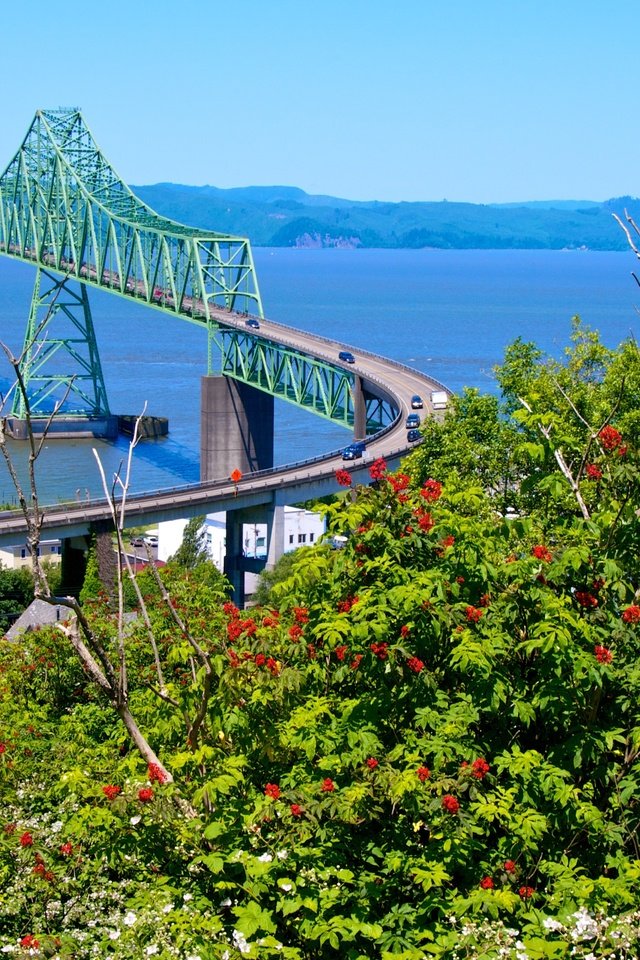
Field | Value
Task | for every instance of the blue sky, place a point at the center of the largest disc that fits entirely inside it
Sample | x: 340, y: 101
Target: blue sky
x: 477, y: 100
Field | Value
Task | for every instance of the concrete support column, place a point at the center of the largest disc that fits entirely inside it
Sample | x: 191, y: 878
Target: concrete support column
x: 359, y: 411
x: 275, y: 534
x: 236, y: 428
x: 234, y: 561
x: 74, y: 564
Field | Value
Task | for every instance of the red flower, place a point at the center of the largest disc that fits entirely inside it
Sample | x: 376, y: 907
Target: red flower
x: 372, y: 763
x: 431, y: 491
x: 145, y: 795
x: 301, y: 614
x: 272, y: 666
x: 484, y: 600
x: 311, y: 651
x: 295, y: 632
x: 3, y: 747
x: 260, y: 659
x: 510, y: 866
x: 272, y: 790
x: 345, y: 606
x: 447, y: 541
x: 344, y: 478
x: 602, y: 654
x: 473, y: 614
x: 450, y: 804
x: 487, y: 883
x: 631, y: 614
x: 480, y: 768
x: 29, y: 942
x: 593, y: 472
x: 234, y: 629
x: 378, y: 469
x: 39, y: 869
x: 230, y: 609
x: 249, y: 627
x: 415, y: 664
x: 426, y: 522
x: 586, y: 599
x: 405, y: 630
x: 399, y: 481
x: 423, y: 773
x: 357, y: 660
x: 341, y: 651
x: 111, y: 791
x: 234, y: 659
x: 380, y: 650
x: 328, y: 786
x: 540, y: 552
x: 296, y: 810
x: 610, y: 438
x: 526, y: 892
x: 156, y: 774
x: 66, y: 849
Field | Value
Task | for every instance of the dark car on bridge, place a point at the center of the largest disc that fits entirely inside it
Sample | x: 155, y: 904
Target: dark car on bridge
x: 252, y: 322
x: 354, y: 451
x: 412, y: 421
x: 414, y: 435
x: 346, y: 356
x: 416, y: 402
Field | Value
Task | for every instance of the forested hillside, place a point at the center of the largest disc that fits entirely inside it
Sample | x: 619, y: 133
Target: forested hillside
x: 286, y: 216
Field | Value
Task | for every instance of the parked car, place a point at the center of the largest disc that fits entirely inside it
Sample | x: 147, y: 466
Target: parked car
x: 346, y: 356
x: 412, y: 421
x: 137, y: 541
x: 151, y: 540
x: 414, y: 435
x: 416, y: 402
x: 252, y: 322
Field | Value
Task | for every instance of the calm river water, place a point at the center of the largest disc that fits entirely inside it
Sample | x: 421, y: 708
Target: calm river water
x: 447, y: 313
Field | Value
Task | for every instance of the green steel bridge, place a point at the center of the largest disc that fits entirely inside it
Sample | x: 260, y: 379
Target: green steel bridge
x: 64, y: 209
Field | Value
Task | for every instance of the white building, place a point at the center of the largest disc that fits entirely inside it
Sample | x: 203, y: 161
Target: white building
x: 14, y: 557
x: 301, y: 528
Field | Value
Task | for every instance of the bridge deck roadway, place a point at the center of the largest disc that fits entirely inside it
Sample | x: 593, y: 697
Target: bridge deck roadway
x: 291, y: 483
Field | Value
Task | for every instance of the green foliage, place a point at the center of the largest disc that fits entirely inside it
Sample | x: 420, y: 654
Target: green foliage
x: 269, y: 578
x: 16, y: 593
x: 92, y: 586
x: 193, y: 549
x: 426, y: 745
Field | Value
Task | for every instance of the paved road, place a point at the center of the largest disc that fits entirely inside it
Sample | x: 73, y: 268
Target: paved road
x: 291, y: 483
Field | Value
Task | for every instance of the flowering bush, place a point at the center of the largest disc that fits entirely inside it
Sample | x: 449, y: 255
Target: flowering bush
x: 426, y: 744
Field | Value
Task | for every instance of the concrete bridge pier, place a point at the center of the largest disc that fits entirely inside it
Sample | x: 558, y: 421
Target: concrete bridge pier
x: 236, y: 428
x: 359, y: 410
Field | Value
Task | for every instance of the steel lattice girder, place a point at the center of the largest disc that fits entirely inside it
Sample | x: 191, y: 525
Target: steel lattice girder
x: 302, y: 380
x: 64, y: 207
x: 60, y: 326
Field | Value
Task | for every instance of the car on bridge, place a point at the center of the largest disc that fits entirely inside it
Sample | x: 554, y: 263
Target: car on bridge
x: 412, y: 421
x: 253, y: 323
x: 354, y: 451
x: 414, y: 435
x: 346, y: 356
x: 416, y: 402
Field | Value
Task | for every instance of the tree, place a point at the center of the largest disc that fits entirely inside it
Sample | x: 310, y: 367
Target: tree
x: 16, y: 593
x: 193, y: 549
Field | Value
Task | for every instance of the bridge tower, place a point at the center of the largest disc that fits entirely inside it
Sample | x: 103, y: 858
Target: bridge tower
x: 62, y: 381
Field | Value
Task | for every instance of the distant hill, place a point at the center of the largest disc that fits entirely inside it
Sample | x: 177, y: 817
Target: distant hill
x: 289, y: 217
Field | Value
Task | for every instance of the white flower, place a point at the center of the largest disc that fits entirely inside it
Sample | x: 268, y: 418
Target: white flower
x: 134, y: 820
x: 266, y: 858
x: 168, y: 907
x: 226, y: 902
x: 129, y: 919
x: 151, y: 949
x: 282, y: 854
x: 114, y: 935
x: 56, y: 827
x: 240, y: 942
x: 8, y: 948
x: 187, y: 896
x: 286, y: 887
x: 550, y: 924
